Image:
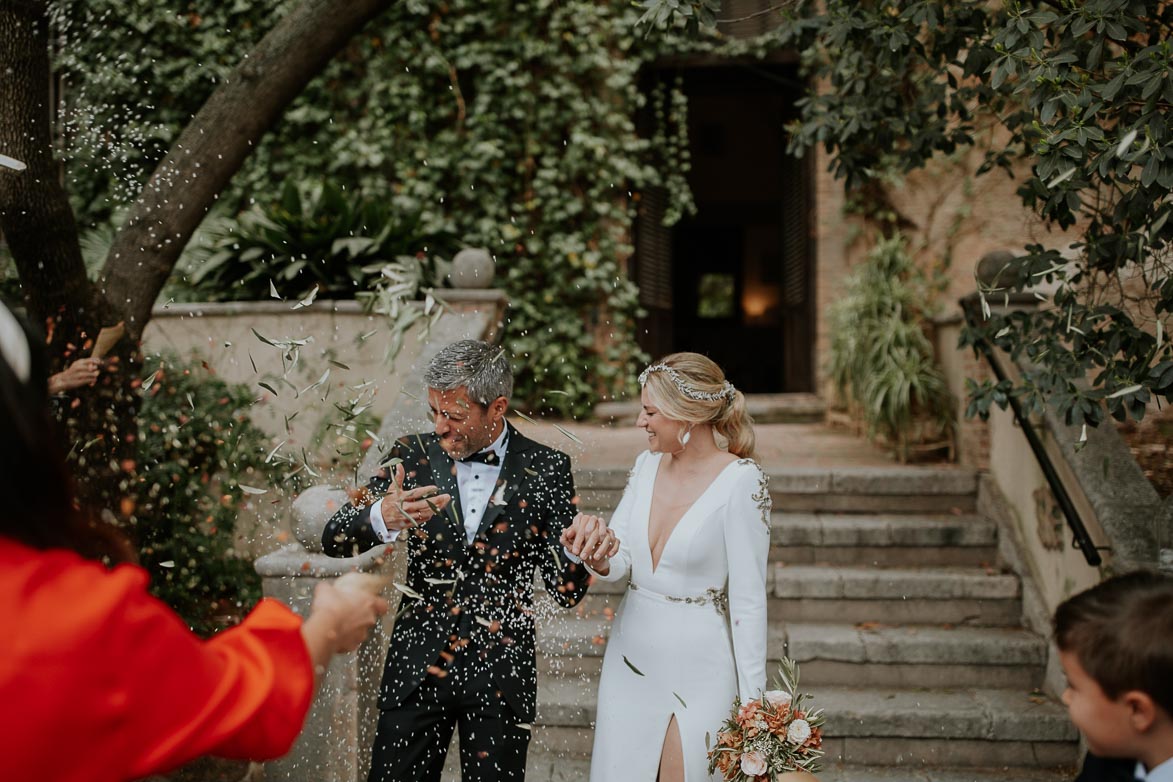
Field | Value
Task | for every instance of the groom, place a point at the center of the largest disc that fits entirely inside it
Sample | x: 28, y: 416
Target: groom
x: 481, y: 507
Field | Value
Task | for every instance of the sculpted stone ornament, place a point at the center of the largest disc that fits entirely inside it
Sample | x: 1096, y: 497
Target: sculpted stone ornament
x: 472, y: 268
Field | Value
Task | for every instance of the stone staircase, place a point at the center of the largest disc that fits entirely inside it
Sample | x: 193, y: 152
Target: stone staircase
x: 885, y: 587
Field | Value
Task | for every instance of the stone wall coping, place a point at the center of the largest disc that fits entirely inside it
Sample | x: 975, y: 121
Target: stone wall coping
x: 293, y: 561
x: 487, y: 296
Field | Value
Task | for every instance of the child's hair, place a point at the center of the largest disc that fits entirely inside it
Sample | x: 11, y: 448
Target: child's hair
x: 1121, y: 631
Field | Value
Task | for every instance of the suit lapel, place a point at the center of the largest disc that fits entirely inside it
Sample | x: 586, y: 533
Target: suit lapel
x: 513, y: 474
x: 444, y: 476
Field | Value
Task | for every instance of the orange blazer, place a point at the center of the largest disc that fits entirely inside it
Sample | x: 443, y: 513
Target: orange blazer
x: 100, y: 681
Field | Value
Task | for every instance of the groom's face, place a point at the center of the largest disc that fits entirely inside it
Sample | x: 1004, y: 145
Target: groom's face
x: 464, y: 426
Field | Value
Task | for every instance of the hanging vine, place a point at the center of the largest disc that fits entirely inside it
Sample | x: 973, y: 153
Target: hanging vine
x: 508, y: 125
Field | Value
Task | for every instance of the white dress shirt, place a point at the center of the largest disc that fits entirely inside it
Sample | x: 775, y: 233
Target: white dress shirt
x: 476, y: 482
x: 1162, y: 773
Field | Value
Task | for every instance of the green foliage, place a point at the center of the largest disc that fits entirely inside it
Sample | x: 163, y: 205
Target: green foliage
x: 314, y: 237
x: 1078, y: 93
x: 509, y: 126
x: 881, y: 359
x: 198, y: 451
x: 397, y: 287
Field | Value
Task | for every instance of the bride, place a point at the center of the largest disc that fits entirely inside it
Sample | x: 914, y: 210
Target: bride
x: 691, y: 537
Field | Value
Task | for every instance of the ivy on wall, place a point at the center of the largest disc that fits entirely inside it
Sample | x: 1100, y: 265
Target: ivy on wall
x: 506, y: 125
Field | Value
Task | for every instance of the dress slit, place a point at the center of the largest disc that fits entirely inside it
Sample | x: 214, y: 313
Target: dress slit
x: 672, y: 720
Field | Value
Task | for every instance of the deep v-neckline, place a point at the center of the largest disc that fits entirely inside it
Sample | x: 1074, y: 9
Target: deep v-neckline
x: 652, y: 501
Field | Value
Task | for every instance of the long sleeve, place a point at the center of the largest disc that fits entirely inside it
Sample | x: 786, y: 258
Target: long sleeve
x: 102, y: 668
x: 620, y: 524
x: 747, y: 547
x: 243, y: 694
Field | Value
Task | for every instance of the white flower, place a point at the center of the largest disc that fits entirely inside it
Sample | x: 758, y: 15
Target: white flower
x: 753, y: 764
x: 798, y: 732
x: 777, y: 698
x: 498, y: 497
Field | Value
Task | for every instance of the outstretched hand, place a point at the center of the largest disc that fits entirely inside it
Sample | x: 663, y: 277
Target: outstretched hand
x: 589, y: 539
x: 402, y: 509
x: 83, y: 372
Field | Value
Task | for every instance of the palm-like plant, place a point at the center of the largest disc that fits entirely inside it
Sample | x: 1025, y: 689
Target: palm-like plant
x: 315, y: 235
x: 881, y: 359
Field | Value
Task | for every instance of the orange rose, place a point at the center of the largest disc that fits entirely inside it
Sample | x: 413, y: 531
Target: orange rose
x: 748, y: 713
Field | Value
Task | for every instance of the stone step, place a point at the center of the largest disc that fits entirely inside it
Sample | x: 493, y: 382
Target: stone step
x: 881, y: 727
x: 845, y: 655
x: 942, y: 595
x: 793, y: 408
x: 841, y: 594
x: 838, y: 772
x: 882, y: 539
x: 545, y: 766
x: 895, y: 489
x: 915, y: 656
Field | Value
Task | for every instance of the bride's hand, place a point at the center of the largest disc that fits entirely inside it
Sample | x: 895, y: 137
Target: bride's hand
x: 589, y: 539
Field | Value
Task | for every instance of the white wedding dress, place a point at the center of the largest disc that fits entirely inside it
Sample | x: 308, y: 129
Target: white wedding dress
x: 690, y: 634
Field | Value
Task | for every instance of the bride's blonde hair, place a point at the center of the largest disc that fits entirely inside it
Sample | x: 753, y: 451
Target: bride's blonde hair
x: 692, y: 389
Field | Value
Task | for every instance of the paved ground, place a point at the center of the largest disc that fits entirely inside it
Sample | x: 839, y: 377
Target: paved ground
x: 779, y: 446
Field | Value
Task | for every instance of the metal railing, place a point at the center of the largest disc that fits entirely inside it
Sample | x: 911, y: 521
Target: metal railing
x: 1081, y: 539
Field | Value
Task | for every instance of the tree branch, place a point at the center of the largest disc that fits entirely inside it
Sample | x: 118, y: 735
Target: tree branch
x: 216, y: 143
x: 756, y: 14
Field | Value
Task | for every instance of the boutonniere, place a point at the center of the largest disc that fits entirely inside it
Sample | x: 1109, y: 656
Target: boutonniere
x: 498, y: 497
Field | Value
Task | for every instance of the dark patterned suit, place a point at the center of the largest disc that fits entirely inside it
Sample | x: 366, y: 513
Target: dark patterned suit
x: 462, y: 652
x: 1097, y: 769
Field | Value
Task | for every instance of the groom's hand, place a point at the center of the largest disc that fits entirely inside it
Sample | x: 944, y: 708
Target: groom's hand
x: 402, y: 509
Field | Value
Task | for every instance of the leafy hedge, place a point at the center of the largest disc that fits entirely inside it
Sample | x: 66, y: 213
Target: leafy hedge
x: 504, y: 125
x: 199, y: 456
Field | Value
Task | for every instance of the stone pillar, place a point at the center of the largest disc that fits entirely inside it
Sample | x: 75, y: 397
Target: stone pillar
x: 336, y: 741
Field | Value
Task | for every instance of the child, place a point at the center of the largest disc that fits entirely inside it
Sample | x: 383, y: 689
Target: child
x: 1116, y: 646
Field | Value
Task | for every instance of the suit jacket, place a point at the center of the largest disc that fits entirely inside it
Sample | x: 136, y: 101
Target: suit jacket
x: 481, y: 592
x: 1097, y: 769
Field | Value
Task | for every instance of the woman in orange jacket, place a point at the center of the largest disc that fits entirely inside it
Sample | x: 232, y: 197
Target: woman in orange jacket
x: 99, y: 681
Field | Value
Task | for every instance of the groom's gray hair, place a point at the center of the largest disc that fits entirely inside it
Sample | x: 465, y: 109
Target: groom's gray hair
x: 481, y: 368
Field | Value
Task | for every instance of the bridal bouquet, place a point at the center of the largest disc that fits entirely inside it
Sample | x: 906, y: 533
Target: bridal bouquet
x: 769, y: 735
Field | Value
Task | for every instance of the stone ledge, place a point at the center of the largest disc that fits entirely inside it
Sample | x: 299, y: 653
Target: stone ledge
x: 989, y: 715
x: 898, y: 480
x: 571, y: 636
x: 493, y: 296
x: 897, y: 583
x: 882, y: 529
x: 926, y: 645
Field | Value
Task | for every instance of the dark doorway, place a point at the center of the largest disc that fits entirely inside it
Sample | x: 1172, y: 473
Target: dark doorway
x: 734, y: 281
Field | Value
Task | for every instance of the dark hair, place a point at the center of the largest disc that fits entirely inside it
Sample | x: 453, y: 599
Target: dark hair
x: 1122, y: 633
x: 40, y: 509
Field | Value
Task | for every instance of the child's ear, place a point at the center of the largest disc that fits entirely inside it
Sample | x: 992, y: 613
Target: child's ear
x: 1142, y: 710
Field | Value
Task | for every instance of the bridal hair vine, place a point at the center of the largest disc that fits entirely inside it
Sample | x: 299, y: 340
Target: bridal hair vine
x: 725, y: 394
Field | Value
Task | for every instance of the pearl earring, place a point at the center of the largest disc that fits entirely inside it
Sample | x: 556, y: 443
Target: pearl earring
x: 687, y: 436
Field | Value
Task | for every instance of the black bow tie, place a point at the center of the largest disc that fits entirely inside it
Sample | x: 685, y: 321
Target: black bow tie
x: 484, y: 457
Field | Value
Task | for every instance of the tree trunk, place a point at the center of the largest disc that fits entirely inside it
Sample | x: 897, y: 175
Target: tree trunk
x: 216, y: 142
x: 35, y: 214
x: 39, y: 225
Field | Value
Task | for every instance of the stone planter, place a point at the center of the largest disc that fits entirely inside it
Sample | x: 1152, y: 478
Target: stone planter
x: 223, y: 335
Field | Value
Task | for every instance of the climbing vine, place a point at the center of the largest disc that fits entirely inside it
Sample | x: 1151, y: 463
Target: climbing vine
x: 511, y: 126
